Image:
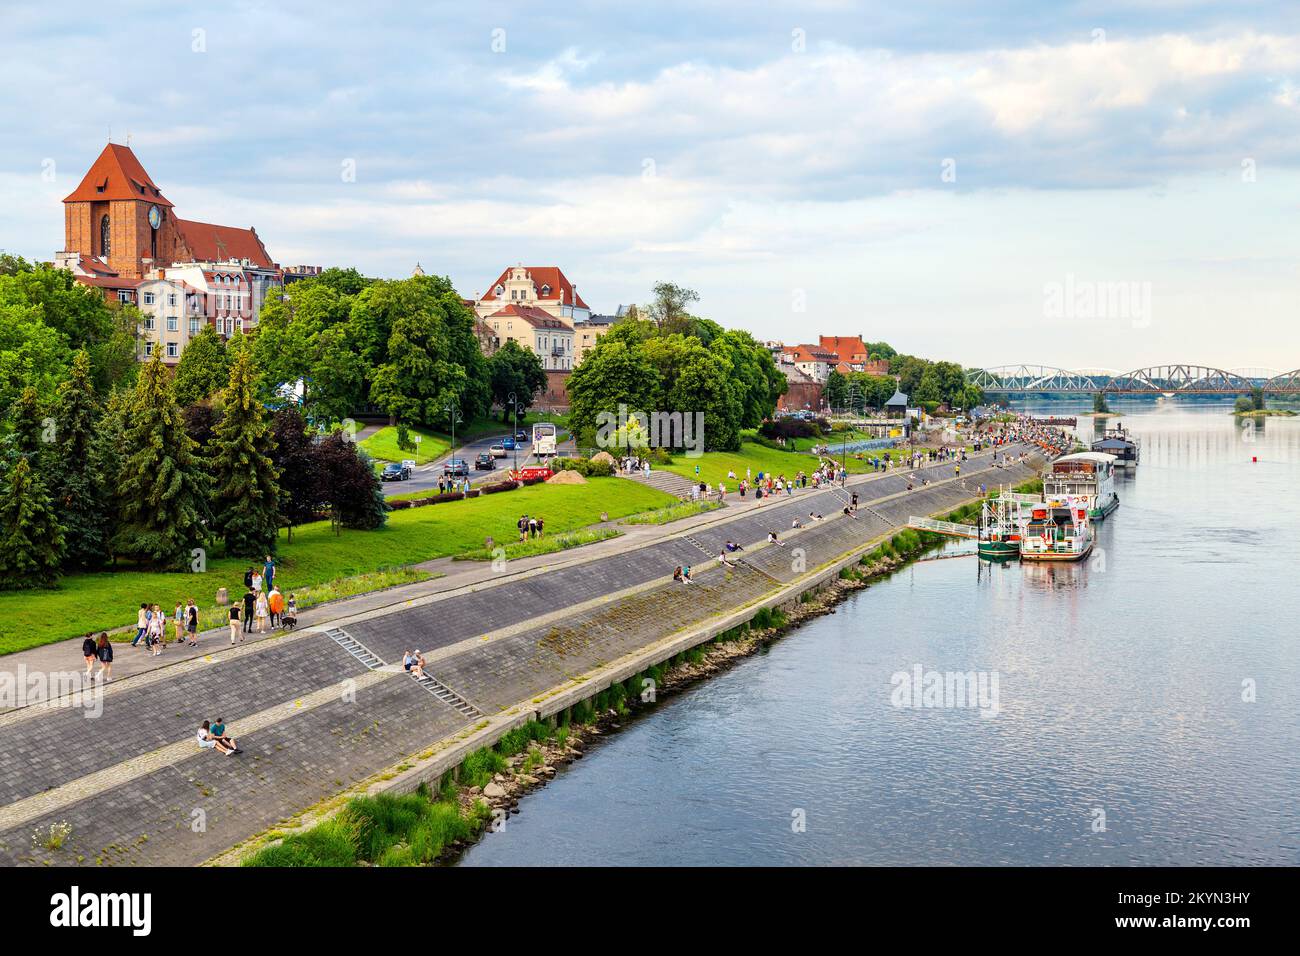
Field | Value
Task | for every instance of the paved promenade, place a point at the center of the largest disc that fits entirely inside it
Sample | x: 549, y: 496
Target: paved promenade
x: 329, y: 707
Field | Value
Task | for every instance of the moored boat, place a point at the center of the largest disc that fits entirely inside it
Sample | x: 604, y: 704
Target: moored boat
x: 1117, y: 441
x: 1087, y: 476
x: 999, y: 528
x: 1057, y: 531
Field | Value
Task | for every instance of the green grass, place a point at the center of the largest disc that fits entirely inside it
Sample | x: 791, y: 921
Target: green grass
x: 547, y: 544
x: 382, y: 445
x: 385, y: 830
x: 106, y: 600
x: 714, y: 465
x: 683, y: 509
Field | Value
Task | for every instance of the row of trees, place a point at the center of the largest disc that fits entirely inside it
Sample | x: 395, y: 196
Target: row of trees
x: 136, y: 478
x: 662, y: 359
x: 923, y: 381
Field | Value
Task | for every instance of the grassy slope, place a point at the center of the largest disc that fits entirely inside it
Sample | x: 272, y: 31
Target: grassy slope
x: 714, y: 464
x: 106, y: 600
x: 383, y: 446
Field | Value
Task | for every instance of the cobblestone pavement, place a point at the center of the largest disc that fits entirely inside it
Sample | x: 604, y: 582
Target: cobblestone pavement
x: 313, y: 720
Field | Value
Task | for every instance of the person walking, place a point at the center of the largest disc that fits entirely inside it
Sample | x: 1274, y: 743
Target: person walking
x: 234, y: 622
x: 90, y: 652
x: 178, y: 622
x: 141, y: 623
x: 257, y: 582
x: 104, y: 651
x: 268, y: 573
x: 157, y: 630
x: 192, y: 622
x: 250, y: 606
x: 248, y: 578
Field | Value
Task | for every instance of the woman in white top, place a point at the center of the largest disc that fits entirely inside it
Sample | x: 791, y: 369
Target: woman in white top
x: 257, y: 582
x: 263, y: 612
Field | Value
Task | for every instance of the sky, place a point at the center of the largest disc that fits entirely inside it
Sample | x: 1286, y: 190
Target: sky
x: 1082, y: 185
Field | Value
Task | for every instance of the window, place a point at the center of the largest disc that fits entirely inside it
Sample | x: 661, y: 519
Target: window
x: 105, y: 243
x: 148, y: 298
x: 171, y: 299
x: 148, y: 348
x: 172, y: 323
x: 123, y: 295
x: 173, y: 350
x: 546, y: 291
x: 194, y: 326
x: 500, y: 290
x: 149, y: 324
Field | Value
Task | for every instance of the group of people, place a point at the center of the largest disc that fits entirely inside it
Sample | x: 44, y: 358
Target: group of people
x: 212, y: 736
x: 448, y: 484
x: 151, y: 626
x: 263, y: 606
x: 530, y: 526
x: 1052, y: 439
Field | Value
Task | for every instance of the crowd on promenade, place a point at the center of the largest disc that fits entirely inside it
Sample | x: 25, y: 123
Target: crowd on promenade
x: 263, y: 607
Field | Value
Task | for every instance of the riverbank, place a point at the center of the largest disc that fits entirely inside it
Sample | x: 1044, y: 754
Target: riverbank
x: 437, y: 824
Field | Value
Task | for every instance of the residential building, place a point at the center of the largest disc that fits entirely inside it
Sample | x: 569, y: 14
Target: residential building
x: 587, y: 333
x: 534, y: 329
x: 813, y: 360
x: 538, y: 287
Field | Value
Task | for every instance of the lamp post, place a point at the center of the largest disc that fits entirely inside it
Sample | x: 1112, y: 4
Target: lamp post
x: 514, y: 406
x: 453, y: 415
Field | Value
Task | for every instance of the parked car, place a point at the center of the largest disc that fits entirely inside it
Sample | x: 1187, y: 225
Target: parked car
x: 456, y: 467
x: 497, y: 451
x: 521, y: 436
x: 395, y: 472
x: 508, y: 445
x: 484, y: 463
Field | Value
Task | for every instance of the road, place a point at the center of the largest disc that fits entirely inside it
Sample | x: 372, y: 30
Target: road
x: 425, y: 477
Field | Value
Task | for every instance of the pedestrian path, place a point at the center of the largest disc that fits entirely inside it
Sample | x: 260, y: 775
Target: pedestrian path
x: 133, y: 782
x: 665, y: 481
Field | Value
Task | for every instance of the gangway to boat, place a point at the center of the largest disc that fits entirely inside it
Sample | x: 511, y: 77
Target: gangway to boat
x: 1021, y: 498
x: 943, y: 527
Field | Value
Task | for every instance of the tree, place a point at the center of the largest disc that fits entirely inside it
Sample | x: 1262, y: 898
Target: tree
x: 79, y: 489
x: 836, y: 390
x: 611, y: 375
x: 352, y: 490
x: 1257, y: 398
x: 670, y: 308
x: 294, y: 455
x: 31, y: 539
x: 420, y: 335
x: 517, y: 370
x: 246, y: 493
x: 204, y: 368
x: 1243, y: 404
x: 161, y: 488
x: 1099, y: 405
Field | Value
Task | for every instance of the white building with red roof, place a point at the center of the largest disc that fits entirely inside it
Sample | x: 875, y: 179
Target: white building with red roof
x: 536, y: 330
x: 539, y: 287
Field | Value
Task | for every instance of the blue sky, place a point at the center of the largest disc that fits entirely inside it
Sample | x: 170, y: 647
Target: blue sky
x: 922, y: 173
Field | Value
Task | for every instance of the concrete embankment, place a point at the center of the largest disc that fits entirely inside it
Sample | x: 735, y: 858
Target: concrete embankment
x: 721, y: 600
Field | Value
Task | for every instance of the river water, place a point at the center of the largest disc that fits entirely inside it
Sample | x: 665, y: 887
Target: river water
x: 1146, y: 701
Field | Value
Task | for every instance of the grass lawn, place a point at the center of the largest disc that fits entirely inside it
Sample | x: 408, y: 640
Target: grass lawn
x: 714, y: 465
x: 383, y: 446
x: 683, y: 509
x: 94, y: 602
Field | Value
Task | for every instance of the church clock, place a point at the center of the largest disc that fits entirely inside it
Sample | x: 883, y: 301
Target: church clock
x: 155, y: 217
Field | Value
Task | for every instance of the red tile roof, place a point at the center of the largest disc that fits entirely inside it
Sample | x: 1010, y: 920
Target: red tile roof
x: 117, y: 174
x: 109, y: 282
x: 811, y: 353
x: 561, y: 288
x: 849, y: 348
x: 219, y: 243
x: 537, y: 318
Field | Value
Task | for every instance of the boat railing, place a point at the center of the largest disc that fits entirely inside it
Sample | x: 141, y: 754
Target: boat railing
x: 943, y: 527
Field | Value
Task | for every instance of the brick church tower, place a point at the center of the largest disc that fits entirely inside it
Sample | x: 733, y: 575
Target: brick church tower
x: 118, y: 215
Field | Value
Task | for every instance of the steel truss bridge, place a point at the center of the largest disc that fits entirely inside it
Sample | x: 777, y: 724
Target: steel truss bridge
x: 1168, y: 380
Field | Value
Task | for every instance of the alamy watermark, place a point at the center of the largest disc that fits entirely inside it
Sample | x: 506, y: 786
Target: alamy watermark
x: 919, y: 688
x: 1084, y: 299
x: 22, y: 688
x: 631, y: 430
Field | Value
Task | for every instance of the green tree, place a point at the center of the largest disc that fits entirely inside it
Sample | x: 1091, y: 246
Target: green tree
x: 162, y: 489
x: 836, y: 390
x: 31, y: 539
x: 204, y: 368
x: 429, y: 357
x: 245, y: 506
x: 611, y: 375
x: 670, y: 308
x: 515, y: 369
x: 293, y: 452
x: 1257, y: 398
x: 78, y: 485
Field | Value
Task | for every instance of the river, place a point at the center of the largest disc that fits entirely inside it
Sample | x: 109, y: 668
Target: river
x: 1146, y: 705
